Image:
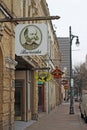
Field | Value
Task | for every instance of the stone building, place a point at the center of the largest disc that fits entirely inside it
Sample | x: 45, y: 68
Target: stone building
x: 22, y: 96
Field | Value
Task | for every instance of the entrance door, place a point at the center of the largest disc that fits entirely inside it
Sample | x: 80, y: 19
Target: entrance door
x: 40, y: 98
x: 18, y: 103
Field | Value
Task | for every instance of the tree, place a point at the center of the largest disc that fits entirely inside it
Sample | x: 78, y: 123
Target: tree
x: 80, y: 78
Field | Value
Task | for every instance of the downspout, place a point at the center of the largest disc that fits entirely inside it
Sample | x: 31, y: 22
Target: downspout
x: 26, y: 97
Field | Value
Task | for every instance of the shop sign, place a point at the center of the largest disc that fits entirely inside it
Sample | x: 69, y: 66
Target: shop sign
x: 64, y: 82
x: 31, y: 39
x: 72, y: 82
x: 66, y: 87
x: 43, y: 76
x: 57, y: 73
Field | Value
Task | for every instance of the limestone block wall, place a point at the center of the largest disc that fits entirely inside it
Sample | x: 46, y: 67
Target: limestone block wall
x: 7, y: 77
x: 18, y: 8
x: 1, y: 94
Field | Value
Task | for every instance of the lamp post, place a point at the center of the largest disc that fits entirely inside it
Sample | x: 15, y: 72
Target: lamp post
x: 71, y: 76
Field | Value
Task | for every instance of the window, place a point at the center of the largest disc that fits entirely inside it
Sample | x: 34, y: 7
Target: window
x: 19, y: 83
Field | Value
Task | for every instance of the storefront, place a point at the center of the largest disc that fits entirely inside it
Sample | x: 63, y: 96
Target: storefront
x: 25, y: 90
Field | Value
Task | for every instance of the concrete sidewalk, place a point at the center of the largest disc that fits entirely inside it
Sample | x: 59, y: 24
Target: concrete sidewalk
x: 21, y: 125
x: 60, y: 119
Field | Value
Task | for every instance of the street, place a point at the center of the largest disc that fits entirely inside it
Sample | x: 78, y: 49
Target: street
x: 60, y: 119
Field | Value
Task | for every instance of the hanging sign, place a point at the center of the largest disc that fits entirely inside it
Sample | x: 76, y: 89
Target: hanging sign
x: 43, y: 76
x: 31, y: 39
x: 64, y: 82
x: 66, y: 87
x: 72, y: 82
x: 57, y: 73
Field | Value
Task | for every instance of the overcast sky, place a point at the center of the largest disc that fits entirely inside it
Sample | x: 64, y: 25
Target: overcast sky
x: 73, y: 13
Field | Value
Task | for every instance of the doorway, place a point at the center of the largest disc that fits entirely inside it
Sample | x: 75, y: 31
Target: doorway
x: 18, y: 103
x: 40, y: 98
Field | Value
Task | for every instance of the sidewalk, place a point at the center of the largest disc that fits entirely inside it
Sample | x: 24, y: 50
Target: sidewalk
x: 60, y: 119
x: 21, y: 125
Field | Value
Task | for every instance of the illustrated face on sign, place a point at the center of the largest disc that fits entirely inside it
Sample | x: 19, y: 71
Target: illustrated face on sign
x: 31, y: 37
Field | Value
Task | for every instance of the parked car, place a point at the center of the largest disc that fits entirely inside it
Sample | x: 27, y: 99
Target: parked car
x: 83, y: 106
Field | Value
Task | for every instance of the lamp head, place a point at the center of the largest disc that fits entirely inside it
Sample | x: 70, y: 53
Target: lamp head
x: 77, y: 41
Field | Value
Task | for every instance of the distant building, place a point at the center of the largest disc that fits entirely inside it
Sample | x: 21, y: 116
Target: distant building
x: 64, y: 46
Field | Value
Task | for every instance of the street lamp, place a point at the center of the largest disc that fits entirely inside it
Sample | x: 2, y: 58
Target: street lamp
x: 71, y: 76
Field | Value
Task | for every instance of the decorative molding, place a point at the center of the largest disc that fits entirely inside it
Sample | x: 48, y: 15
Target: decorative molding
x: 10, y: 63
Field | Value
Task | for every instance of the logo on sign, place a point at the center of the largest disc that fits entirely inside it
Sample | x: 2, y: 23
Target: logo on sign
x: 43, y: 76
x: 30, y: 37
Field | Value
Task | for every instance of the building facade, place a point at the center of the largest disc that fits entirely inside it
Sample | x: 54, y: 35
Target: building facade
x: 22, y: 96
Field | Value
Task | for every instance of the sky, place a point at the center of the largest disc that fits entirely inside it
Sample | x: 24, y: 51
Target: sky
x: 72, y: 13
